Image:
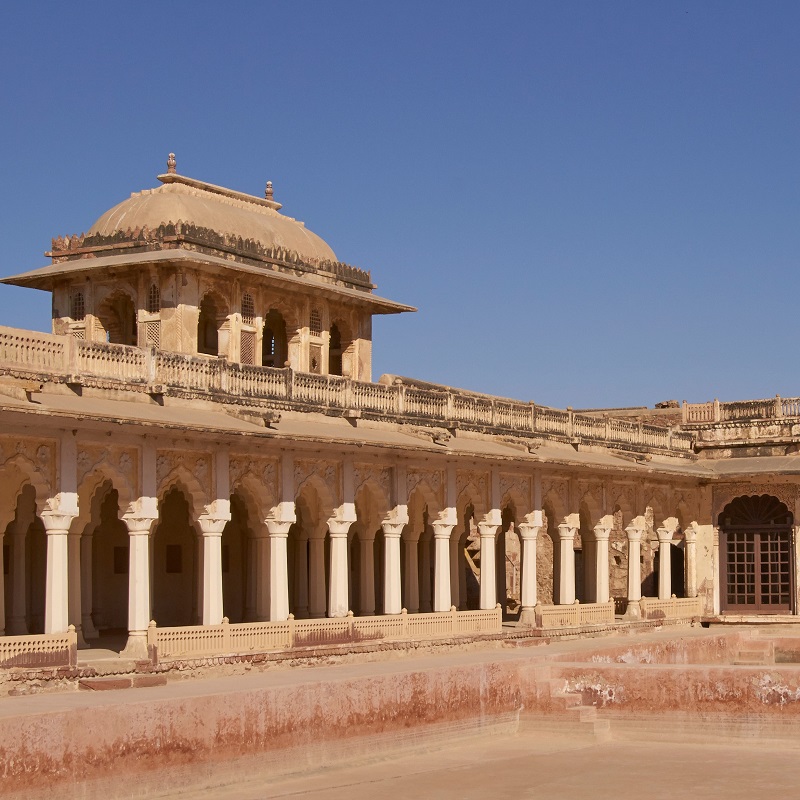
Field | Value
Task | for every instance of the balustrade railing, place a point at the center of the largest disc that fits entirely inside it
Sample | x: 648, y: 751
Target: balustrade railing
x: 772, y: 408
x: 199, y: 641
x: 43, y: 354
x: 39, y: 650
x: 575, y: 615
x: 652, y: 608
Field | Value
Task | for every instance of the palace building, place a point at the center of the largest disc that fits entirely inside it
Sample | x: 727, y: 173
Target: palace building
x: 200, y: 438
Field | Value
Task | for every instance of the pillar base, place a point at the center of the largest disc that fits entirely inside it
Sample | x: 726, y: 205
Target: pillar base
x: 136, y: 646
x: 632, y: 612
x: 527, y: 617
x: 87, y: 626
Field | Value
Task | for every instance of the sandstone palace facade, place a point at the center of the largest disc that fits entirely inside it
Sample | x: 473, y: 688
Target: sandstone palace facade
x: 200, y: 438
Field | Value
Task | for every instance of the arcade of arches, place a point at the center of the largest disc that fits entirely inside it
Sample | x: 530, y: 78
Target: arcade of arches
x: 187, y: 536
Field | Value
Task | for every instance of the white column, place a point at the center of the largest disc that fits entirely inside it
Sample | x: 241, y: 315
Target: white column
x: 602, y: 533
x: 87, y: 623
x: 566, y: 563
x: 690, y: 537
x: 139, y: 580
x: 529, y: 534
x: 338, y: 594
x: 211, y: 529
x: 488, y: 570
x: 442, y: 590
x: 316, y: 577
x: 634, y: 533
x: 56, y: 603
x: 366, y: 543
x: 75, y: 584
x: 17, y: 623
x: 392, y: 596
x: 411, y: 577
x: 664, y: 563
x: 278, y: 570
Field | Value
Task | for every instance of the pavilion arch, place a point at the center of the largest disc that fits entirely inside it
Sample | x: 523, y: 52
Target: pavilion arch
x: 555, y: 512
x: 341, y: 348
x: 274, y: 340
x: 318, y: 497
x: 239, y: 558
x: 15, y: 474
x: 257, y: 495
x: 117, y: 316
x: 183, y: 480
x: 213, y: 324
x: 621, y: 506
x: 367, y: 548
x: 93, y: 481
x: 470, y: 495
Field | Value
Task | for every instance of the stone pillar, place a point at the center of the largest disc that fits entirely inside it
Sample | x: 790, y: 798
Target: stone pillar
x: 690, y: 537
x: 17, y: 623
x: 87, y: 587
x: 278, y: 570
x: 442, y: 590
x: 139, y: 581
x: 392, y: 596
x: 301, y: 577
x: 75, y: 584
x: 529, y: 534
x: 488, y: 570
x: 316, y: 577
x: 717, y: 572
x: 338, y: 595
x: 366, y: 543
x: 252, y: 580
x: 56, y: 603
x: 634, y: 532
x: 412, y: 575
x: 664, y: 563
x: 602, y: 533
x: 211, y: 529
x: 566, y: 563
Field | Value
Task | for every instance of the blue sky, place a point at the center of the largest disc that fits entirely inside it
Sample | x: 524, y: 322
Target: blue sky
x: 591, y: 204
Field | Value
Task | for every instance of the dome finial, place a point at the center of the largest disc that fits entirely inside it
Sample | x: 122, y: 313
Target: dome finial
x: 268, y: 193
x: 171, y: 164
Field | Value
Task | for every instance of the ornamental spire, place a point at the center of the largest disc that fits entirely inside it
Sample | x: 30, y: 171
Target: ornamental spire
x: 171, y: 164
x: 268, y: 193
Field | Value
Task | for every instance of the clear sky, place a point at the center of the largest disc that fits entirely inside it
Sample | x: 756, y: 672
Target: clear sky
x: 591, y: 203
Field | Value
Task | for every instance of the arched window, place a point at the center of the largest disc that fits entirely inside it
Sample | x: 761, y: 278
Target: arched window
x: 117, y: 315
x: 274, y: 351
x: 335, y: 351
x: 77, y: 307
x: 315, y: 322
x: 153, y: 299
x: 248, y: 309
x: 208, y: 327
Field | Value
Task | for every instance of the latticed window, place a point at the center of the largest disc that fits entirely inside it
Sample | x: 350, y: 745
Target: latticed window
x: 77, y: 307
x: 248, y: 309
x: 248, y: 347
x: 154, y: 299
x: 315, y: 322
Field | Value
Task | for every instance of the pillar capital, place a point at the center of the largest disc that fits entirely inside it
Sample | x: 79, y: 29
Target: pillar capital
x: 338, y: 528
x: 139, y: 525
x: 529, y: 531
x: 277, y: 528
x: 57, y: 521
x: 213, y: 526
x: 566, y: 531
x: 664, y: 535
x: 634, y: 533
x: 487, y: 530
x: 441, y: 529
x: 690, y: 534
x: 392, y: 530
x: 602, y: 532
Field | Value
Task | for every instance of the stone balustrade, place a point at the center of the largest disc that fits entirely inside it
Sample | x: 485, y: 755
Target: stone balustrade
x: 574, y: 615
x: 47, y: 357
x: 652, y: 608
x: 199, y: 641
x: 39, y: 650
x: 712, y: 412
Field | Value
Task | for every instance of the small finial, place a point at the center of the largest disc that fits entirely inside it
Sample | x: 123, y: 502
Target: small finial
x: 171, y: 164
x: 268, y: 193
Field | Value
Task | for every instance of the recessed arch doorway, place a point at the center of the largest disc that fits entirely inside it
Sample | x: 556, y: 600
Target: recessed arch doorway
x: 755, y: 541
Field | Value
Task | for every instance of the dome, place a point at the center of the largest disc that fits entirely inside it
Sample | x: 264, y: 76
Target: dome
x: 222, y: 210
